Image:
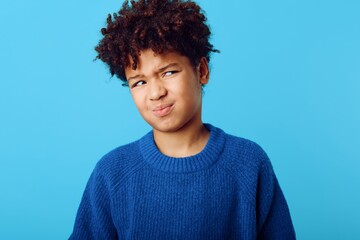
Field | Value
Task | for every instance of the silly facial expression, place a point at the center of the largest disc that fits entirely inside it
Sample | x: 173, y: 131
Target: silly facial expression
x: 167, y: 89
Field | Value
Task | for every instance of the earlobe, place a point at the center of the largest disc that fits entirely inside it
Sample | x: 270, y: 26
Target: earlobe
x: 203, y: 70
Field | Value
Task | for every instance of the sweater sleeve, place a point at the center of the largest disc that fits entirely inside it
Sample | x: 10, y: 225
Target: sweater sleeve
x: 274, y: 220
x: 94, y: 220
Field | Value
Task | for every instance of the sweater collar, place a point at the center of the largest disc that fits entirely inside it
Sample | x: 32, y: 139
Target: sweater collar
x: 207, y: 157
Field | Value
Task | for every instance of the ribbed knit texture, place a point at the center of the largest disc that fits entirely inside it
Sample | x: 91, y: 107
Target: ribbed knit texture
x: 227, y: 191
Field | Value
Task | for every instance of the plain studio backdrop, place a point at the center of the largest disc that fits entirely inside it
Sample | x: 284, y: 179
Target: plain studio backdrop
x: 287, y: 77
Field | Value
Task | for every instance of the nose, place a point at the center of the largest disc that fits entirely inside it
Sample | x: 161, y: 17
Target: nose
x: 157, y: 90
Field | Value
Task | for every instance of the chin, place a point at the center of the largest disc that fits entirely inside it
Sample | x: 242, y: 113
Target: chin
x: 165, y: 129
x: 168, y: 127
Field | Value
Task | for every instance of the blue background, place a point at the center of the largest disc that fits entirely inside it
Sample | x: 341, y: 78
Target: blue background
x: 287, y: 77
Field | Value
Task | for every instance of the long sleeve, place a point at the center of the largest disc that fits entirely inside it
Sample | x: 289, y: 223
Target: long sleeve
x: 94, y: 220
x: 274, y: 221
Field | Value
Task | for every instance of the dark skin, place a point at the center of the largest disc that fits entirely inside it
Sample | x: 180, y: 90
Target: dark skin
x: 170, y: 29
x: 167, y: 91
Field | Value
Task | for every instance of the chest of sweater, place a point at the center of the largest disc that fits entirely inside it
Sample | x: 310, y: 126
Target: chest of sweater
x: 201, y: 205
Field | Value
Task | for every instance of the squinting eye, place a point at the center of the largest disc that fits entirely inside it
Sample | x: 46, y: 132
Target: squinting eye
x: 169, y: 73
x: 138, y: 83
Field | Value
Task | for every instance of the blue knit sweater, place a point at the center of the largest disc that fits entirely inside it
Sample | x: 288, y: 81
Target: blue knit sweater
x: 227, y: 191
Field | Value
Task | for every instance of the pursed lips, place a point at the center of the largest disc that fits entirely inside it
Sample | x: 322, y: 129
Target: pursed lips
x: 162, y: 110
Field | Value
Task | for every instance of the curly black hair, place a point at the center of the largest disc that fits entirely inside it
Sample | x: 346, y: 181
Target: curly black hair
x: 161, y: 25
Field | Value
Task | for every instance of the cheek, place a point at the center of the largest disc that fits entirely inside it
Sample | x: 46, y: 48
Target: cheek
x: 190, y: 88
x: 138, y: 100
x: 195, y: 91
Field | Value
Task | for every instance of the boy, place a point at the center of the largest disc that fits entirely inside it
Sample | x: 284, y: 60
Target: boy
x: 184, y: 179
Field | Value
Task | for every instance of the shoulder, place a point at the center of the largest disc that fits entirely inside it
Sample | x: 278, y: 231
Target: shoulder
x: 237, y: 148
x: 246, y: 162
x: 119, y: 164
x: 243, y: 157
x: 119, y: 156
x: 244, y: 149
x: 247, y: 156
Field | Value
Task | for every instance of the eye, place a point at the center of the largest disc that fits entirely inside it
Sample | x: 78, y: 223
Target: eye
x: 138, y: 83
x: 169, y: 73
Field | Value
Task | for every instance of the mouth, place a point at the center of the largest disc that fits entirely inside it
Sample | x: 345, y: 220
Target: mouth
x: 162, y: 110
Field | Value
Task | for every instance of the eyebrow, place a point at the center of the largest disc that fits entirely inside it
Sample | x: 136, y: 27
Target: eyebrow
x: 168, y: 66
x: 159, y: 70
x: 136, y: 76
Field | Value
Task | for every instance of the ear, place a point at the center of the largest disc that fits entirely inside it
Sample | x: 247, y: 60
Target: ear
x: 203, y: 71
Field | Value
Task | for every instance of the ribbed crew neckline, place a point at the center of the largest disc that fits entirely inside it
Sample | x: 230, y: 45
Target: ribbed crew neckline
x: 207, y: 157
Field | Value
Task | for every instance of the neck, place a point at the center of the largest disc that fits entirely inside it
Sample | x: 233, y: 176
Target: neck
x: 188, y: 141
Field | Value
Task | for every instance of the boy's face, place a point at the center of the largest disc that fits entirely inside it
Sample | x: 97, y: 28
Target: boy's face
x: 167, y: 89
